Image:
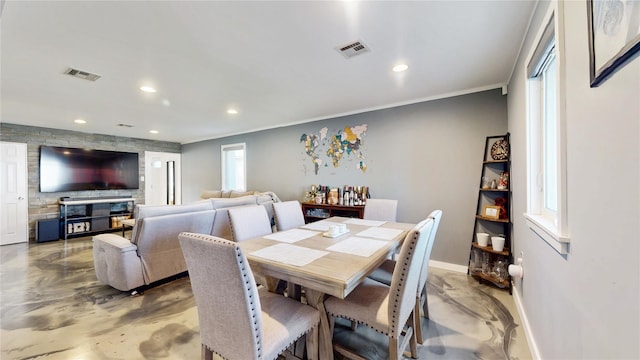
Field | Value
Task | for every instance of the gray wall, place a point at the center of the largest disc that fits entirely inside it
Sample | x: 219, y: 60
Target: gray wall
x: 45, y: 205
x: 426, y: 155
x: 585, y: 304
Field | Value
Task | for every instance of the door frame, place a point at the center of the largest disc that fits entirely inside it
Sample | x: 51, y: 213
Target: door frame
x: 149, y: 158
x: 19, y: 197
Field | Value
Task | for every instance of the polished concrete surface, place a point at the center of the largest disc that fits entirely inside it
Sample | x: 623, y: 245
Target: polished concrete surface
x: 52, y: 307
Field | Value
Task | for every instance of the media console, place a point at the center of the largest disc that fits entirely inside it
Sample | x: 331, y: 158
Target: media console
x: 85, y: 216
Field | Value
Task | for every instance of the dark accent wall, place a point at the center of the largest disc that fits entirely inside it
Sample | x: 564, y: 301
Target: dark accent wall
x: 45, y: 205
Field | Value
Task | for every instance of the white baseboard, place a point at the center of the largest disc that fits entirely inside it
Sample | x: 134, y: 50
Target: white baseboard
x: 533, y: 347
x: 448, y: 266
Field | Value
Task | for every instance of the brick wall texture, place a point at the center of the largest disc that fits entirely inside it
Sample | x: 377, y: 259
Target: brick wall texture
x: 45, y: 205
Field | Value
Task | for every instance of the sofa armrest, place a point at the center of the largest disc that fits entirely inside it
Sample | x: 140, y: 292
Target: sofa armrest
x: 116, y: 241
x: 116, y: 262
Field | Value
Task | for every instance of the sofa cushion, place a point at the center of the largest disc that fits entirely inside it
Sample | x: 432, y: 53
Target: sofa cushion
x: 231, y: 202
x: 208, y: 194
x: 235, y: 194
x: 143, y: 211
x: 158, y: 245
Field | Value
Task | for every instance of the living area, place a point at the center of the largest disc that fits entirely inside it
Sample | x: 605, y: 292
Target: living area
x: 426, y: 154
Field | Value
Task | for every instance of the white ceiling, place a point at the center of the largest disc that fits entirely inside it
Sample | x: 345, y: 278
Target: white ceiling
x: 275, y: 62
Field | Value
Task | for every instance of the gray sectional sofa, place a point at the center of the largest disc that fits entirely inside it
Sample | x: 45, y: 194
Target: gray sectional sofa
x: 153, y: 252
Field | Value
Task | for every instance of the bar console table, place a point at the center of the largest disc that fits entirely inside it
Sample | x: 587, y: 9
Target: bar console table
x: 314, y: 212
x: 86, y: 216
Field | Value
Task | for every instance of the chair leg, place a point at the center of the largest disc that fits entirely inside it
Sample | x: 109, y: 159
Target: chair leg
x: 425, y: 302
x: 312, y: 344
x: 413, y: 336
x: 417, y: 321
x: 206, y: 353
x: 395, y: 352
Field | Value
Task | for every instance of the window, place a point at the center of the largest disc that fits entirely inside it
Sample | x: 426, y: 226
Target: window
x: 549, y: 172
x: 546, y: 206
x: 234, y: 167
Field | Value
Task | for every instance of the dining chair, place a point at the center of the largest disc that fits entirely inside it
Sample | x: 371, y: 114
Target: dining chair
x: 288, y: 215
x: 384, y: 274
x: 248, y: 222
x: 387, y: 309
x: 380, y: 209
x: 237, y: 320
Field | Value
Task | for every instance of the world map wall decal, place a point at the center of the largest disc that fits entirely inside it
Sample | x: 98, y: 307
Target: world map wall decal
x: 344, y: 144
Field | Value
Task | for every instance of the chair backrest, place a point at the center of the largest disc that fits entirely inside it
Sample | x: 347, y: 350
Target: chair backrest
x: 404, y: 282
x: 288, y: 215
x: 226, y: 296
x: 248, y: 222
x: 380, y: 209
x: 436, y: 215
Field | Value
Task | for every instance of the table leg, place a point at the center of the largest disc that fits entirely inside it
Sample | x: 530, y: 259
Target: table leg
x: 270, y: 283
x: 325, y: 342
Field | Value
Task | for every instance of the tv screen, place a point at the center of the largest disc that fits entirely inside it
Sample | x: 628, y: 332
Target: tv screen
x: 72, y: 169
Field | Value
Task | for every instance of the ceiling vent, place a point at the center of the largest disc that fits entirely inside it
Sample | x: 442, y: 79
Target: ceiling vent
x: 82, y: 74
x: 125, y: 125
x: 353, y: 49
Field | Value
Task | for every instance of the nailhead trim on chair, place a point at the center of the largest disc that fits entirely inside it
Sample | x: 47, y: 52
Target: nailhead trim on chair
x: 394, y: 317
x: 251, y: 302
x: 405, y: 269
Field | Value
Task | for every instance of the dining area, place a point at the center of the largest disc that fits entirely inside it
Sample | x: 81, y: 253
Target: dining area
x: 370, y: 272
x: 84, y: 318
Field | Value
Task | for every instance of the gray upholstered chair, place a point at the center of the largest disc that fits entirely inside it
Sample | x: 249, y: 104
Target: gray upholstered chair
x: 288, y: 215
x: 384, y: 274
x: 237, y: 320
x: 380, y: 209
x: 248, y: 222
x: 388, y: 309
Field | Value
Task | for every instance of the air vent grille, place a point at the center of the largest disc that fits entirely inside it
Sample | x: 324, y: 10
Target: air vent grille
x: 353, y: 49
x: 82, y: 74
x: 125, y: 125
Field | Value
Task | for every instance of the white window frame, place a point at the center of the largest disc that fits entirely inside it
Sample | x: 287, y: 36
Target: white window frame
x: 551, y: 227
x: 226, y: 167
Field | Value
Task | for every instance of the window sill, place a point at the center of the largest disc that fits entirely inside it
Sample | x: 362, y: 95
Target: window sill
x: 548, y: 232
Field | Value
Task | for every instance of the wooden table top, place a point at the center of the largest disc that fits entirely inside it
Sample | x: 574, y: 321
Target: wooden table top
x: 335, y: 273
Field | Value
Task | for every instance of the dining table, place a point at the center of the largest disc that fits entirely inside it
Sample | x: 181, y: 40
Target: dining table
x: 324, y: 263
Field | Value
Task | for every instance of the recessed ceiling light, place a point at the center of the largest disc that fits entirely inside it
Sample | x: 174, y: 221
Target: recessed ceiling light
x: 154, y: 131
x: 400, y: 67
x: 79, y: 121
x: 148, y: 89
x: 232, y: 111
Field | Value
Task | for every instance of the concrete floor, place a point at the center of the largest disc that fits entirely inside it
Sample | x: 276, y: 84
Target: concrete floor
x: 52, y: 307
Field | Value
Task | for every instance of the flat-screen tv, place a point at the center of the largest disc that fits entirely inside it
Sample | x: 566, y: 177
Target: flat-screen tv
x: 73, y: 169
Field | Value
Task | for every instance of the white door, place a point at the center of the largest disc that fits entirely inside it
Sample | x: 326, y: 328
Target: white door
x: 162, y: 184
x: 14, y: 206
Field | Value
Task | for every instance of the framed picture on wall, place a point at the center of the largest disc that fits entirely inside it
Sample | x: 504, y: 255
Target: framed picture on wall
x: 614, y: 36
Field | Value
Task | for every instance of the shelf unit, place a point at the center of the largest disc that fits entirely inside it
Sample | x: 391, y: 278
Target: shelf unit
x: 487, y: 265
x: 314, y: 212
x: 86, y: 216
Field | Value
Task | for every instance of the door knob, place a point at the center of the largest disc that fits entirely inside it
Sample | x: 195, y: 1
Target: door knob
x: 20, y: 198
